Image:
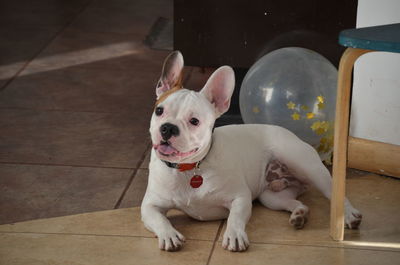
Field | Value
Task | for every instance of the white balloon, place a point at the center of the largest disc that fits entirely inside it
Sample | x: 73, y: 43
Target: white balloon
x: 294, y: 88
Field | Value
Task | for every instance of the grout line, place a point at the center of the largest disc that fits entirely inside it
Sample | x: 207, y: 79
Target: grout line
x: 59, y: 165
x: 380, y: 249
x: 94, y: 235
x: 62, y: 28
x: 221, y: 225
x: 139, y: 163
x: 22, y: 68
x: 322, y: 245
x: 298, y: 243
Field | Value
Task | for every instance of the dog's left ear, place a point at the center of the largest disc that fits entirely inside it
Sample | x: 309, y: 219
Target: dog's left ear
x: 219, y: 88
x: 171, y: 76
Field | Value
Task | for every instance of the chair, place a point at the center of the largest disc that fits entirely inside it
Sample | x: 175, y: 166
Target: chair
x: 359, y: 41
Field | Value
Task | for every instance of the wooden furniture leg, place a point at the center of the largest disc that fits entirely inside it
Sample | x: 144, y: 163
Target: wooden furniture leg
x: 343, y: 102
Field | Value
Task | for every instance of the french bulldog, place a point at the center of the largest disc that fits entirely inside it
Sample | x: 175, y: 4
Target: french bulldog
x: 216, y: 174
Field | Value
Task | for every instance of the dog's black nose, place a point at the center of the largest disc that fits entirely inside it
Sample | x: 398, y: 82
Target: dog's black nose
x: 168, y: 130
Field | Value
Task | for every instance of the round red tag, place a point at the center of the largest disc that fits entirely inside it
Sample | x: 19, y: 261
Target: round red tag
x: 196, y: 181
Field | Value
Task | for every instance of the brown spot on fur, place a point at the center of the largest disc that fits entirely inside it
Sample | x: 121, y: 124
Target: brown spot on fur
x: 272, y: 176
x: 274, y: 166
x: 279, y: 177
x: 278, y: 185
x: 289, y: 178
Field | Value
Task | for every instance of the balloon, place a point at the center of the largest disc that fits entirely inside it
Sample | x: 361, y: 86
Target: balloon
x: 294, y: 88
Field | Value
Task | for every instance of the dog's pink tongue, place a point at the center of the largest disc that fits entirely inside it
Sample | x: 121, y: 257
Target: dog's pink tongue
x: 166, y: 149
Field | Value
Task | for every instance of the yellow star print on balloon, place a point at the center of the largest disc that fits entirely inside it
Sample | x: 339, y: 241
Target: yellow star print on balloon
x: 296, y: 116
x: 323, y: 129
x: 291, y: 105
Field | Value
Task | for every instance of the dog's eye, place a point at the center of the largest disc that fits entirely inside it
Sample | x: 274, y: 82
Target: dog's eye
x: 194, y: 121
x: 159, y: 111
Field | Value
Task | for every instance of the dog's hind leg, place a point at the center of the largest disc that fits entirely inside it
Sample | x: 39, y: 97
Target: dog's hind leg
x: 304, y: 162
x: 286, y: 200
x: 319, y: 176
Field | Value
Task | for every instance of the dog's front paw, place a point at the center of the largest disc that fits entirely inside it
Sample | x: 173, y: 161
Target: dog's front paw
x: 235, y: 240
x: 352, y: 218
x: 170, y: 240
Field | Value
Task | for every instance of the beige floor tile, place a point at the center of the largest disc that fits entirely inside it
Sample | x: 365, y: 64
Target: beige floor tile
x: 134, y: 195
x: 30, y: 192
x: 8, y: 71
x: 33, y: 249
x: 72, y: 138
x: 16, y: 51
x: 44, y: 13
x: 85, y: 71
x: 121, y: 222
x: 81, y: 88
x: 108, y: 50
x: 145, y: 164
x: 375, y: 196
x: 290, y: 254
x: 123, y: 17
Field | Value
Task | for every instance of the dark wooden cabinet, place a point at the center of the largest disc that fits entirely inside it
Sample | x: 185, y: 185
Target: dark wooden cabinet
x: 237, y: 32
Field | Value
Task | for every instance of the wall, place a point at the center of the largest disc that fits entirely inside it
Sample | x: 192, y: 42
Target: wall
x: 376, y: 92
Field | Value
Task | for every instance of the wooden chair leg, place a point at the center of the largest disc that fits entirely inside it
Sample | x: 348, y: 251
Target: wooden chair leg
x: 341, y: 140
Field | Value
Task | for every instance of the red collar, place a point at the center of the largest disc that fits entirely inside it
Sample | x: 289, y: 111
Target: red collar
x: 182, y: 167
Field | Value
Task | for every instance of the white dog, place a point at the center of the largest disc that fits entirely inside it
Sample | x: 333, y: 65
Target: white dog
x: 216, y: 175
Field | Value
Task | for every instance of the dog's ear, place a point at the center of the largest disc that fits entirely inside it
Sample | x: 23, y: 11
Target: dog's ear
x: 171, y: 75
x: 219, y: 88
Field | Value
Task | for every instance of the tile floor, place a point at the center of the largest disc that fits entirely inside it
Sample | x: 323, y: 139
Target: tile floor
x: 119, y: 237
x: 76, y: 93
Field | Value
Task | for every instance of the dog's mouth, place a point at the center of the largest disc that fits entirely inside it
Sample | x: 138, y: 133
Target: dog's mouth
x: 167, y: 150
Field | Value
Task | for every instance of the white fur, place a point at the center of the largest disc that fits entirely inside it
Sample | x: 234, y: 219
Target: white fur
x: 233, y: 163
